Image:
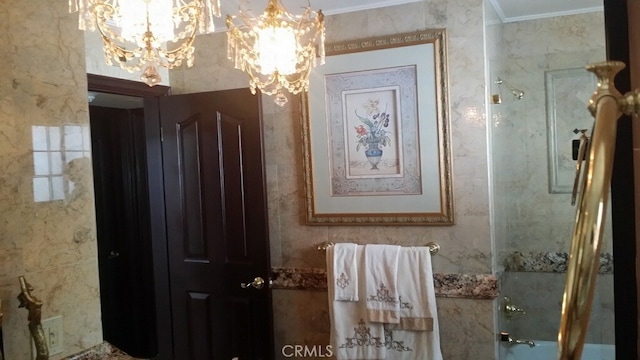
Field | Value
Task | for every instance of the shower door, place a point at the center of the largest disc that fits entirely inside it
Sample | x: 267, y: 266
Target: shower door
x: 532, y: 140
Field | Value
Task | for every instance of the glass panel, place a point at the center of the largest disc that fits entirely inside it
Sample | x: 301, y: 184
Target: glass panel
x: 41, y: 163
x: 73, y: 137
x: 71, y: 155
x: 39, y: 138
x: 56, y: 162
x: 57, y: 187
x: 55, y: 139
x: 538, y: 91
x: 86, y: 138
x: 41, y: 189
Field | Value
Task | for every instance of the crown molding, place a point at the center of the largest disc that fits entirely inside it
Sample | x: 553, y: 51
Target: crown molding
x: 369, y: 6
x: 506, y: 19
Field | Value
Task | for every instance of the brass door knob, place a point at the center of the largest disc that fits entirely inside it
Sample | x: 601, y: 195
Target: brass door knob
x: 257, y: 283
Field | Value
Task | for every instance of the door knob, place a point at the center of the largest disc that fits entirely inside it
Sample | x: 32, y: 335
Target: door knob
x: 257, y: 283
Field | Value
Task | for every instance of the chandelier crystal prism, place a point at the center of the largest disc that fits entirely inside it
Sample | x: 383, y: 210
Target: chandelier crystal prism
x: 277, y: 50
x: 147, y: 34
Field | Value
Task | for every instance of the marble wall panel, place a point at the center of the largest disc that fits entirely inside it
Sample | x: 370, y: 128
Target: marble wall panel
x: 466, y: 246
x: 542, y: 318
x: 51, y: 243
x: 469, y: 238
x: 527, y: 218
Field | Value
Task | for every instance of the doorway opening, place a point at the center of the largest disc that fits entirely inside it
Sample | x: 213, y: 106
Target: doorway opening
x: 125, y: 251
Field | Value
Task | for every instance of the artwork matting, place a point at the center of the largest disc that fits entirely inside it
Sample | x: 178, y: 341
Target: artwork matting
x: 375, y: 128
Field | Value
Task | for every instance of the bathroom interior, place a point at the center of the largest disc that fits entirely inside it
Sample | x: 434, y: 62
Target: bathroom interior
x: 516, y: 89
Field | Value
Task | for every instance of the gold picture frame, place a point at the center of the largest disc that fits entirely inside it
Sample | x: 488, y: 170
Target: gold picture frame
x: 375, y: 130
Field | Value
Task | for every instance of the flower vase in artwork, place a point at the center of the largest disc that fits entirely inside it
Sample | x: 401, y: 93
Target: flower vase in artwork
x: 373, y: 153
x: 372, y: 133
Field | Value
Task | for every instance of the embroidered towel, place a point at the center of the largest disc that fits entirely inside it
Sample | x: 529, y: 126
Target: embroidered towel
x: 352, y: 335
x: 345, y: 269
x: 417, y: 336
x: 413, y: 291
x: 381, y: 275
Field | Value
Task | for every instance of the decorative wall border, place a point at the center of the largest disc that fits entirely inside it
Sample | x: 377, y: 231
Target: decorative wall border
x: 467, y: 286
x: 548, y: 262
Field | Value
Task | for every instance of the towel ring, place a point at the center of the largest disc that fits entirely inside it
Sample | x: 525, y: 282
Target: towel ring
x: 434, y: 248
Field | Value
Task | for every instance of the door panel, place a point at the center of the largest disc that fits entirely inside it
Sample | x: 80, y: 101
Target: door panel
x: 216, y: 225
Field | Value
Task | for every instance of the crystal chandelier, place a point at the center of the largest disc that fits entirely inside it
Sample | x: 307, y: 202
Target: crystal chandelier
x: 277, y: 50
x: 145, y: 34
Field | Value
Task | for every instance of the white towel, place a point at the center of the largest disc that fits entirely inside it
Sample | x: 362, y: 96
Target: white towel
x: 381, y: 276
x: 418, y: 330
x: 352, y: 335
x: 345, y: 268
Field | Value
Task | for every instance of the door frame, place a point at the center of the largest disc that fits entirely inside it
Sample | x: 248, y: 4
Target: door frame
x: 161, y: 298
x: 623, y: 208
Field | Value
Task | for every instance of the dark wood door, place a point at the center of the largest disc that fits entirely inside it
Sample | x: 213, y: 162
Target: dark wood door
x: 122, y: 217
x: 216, y: 221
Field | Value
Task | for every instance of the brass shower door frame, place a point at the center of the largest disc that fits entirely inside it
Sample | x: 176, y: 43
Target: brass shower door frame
x: 606, y: 105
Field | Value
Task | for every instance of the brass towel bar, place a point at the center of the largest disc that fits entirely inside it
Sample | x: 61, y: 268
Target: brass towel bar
x: 434, y: 248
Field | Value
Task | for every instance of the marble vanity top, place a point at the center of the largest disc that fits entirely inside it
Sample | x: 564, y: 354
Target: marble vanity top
x: 104, y: 351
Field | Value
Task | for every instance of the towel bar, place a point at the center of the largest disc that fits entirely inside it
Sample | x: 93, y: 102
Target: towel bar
x: 434, y: 248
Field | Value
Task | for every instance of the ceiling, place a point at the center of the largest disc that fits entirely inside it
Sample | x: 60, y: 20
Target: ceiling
x: 520, y: 10
x: 505, y: 11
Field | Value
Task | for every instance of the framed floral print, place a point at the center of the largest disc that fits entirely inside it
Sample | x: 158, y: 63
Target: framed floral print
x: 375, y: 133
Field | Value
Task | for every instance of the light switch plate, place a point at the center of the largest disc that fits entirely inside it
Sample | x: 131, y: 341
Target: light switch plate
x: 53, y: 334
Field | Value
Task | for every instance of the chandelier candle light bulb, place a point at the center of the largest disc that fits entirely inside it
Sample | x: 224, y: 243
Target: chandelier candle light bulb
x: 277, y: 50
x: 135, y: 33
x: 282, y: 61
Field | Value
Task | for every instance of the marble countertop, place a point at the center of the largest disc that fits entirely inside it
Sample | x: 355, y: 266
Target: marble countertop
x: 104, y: 351
x: 548, y: 261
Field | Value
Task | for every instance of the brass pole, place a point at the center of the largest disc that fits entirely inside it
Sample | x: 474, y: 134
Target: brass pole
x: 584, y: 259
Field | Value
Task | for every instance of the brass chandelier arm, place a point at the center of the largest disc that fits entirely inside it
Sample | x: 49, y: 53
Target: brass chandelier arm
x: 276, y: 49
x: 133, y: 33
x: 171, y: 57
x: 607, y: 105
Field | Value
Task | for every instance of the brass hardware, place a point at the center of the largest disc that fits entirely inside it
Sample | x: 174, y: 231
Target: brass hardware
x: 257, y: 283
x: 34, y: 306
x: 510, y: 310
x: 504, y: 337
x: 434, y: 248
x: 584, y: 145
x: 325, y: 245
x: 606, y: 105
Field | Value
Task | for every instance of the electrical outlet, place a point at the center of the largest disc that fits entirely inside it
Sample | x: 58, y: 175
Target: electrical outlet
x: 53, y: 335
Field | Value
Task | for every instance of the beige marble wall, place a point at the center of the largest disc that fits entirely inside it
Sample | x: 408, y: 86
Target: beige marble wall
x: 95, y: 62
x: 300, y: 316
x: 52, y: 243
x: 527, y: 217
